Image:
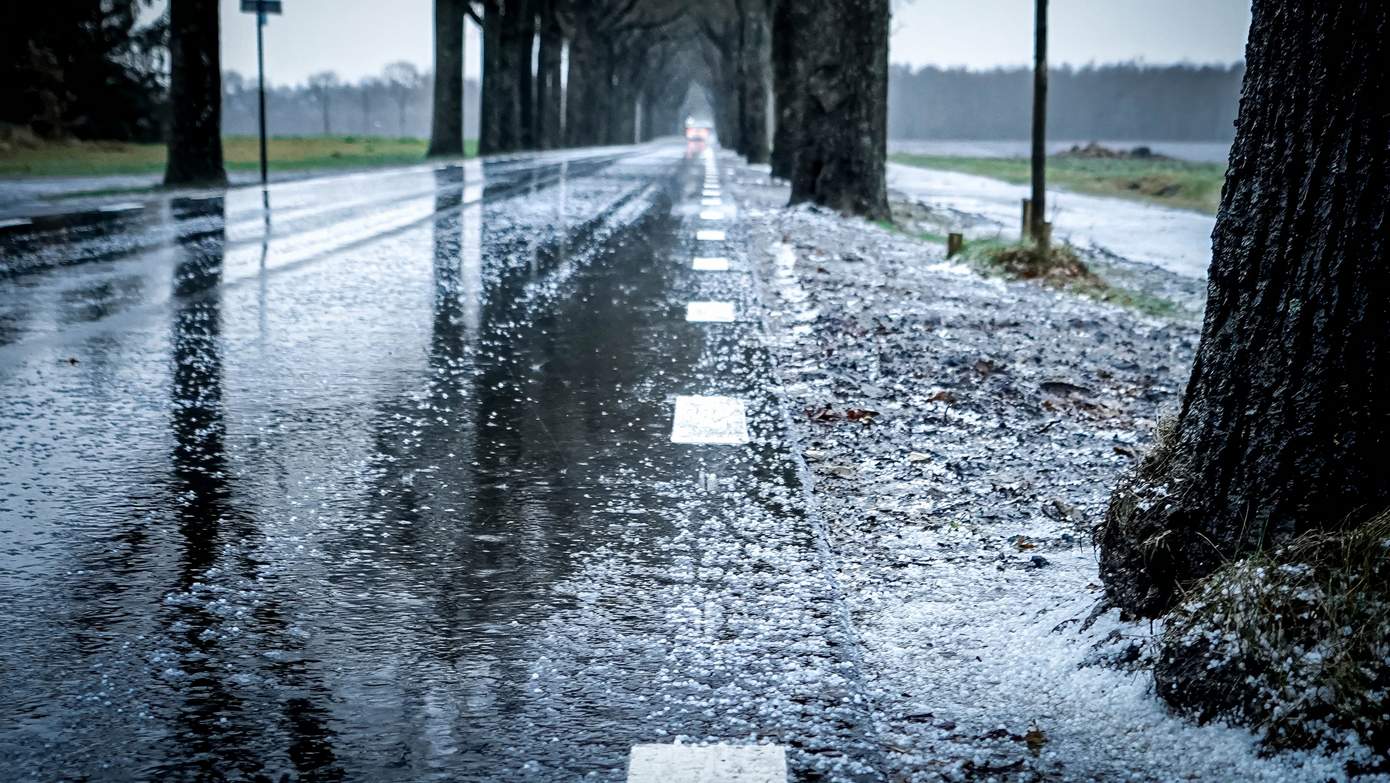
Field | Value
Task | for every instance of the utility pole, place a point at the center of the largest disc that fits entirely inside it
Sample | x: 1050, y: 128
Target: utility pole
x: 1037, y: 228
x: 261, y: 8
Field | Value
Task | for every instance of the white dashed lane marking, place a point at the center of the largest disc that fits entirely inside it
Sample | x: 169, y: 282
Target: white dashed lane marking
x: 710, y: 235
x: 711, y: 201
x: 712, y: 214
x: 718, y: 420
x: 714, y: 312
x: 707, y: 764
x: 710, y: 264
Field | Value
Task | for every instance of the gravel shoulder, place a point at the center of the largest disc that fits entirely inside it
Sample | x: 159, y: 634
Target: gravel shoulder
x: 963, y: 435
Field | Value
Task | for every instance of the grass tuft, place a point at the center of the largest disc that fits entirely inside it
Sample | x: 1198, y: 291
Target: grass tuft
x: 1294, y: 642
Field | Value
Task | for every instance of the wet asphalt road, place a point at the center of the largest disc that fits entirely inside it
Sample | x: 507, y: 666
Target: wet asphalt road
x: 379, y: 484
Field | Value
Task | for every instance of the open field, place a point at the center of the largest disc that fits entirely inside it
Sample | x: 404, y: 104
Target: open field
x: 97, y: 158
x: 1171, y: 183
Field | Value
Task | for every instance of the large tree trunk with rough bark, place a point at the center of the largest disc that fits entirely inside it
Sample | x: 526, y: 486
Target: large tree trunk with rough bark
x: 842, y: 49
x: 787, y: 90
x: 549, y: 91
x: 195, y: 95
x: 521, y: 41
x: 500, y: 120
x: 755, y: 41
x: 446, y: 124
x: 1284, y: 427
x: 491, y: 100
x: 621, y: 104
x: 585, y: 91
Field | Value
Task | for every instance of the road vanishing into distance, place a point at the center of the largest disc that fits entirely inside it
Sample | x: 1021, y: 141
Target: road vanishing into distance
x: 441, y: 473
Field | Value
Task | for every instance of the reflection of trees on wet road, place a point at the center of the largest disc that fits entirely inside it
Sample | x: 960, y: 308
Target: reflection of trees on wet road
x: 219, y: 720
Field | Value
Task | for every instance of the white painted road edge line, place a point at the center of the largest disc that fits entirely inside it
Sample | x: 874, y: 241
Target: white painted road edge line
x: 712, y: 312
x: 124, y: 206
x: 709, y: 235
x: 707, y: 764
x: 720, y: 420
x: 710, y: 264
x: 12, y: 222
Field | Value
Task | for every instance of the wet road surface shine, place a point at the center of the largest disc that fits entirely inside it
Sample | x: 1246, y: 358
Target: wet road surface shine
x: 406, y: 506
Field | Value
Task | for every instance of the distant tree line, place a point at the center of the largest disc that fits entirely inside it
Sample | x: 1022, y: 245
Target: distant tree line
x: 1122, y: 101
x: 397, y: 103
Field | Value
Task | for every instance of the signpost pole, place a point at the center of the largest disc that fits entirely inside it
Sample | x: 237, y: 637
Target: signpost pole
x: 260, y: 67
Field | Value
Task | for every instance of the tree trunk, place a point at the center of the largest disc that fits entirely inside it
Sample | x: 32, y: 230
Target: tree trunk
x: 621, y: 105
x: 500, y: 109
x: 195, y: 95
x: 754, y: 45
x: 787, y: 90
x: 446, y: 124
x: 842, y: 47
x: 549, y: 91
x: 1284, y: 425
x: 520, y: 45
x: 585, y: 91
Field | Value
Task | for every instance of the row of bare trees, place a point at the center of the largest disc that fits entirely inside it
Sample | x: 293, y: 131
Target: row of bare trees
x: 631, y: 64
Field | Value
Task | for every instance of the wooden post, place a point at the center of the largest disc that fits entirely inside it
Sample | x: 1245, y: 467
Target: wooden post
x: 1039, y: 124
x: 954, y: 243
x: 1027, y: 229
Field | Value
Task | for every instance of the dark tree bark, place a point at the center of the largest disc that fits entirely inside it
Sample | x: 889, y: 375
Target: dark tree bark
x: 195, y: 95
x: 584, y: 118
x: 842, y: 48
x: 548, y: 88
x: 521, y: 42
x: 490, y: 110
x: 787, y: 90
x: 446, y: 125
x: 1284, y: 426
x: 621, y: 103
x: 500, y: 110
x: 755, y: 42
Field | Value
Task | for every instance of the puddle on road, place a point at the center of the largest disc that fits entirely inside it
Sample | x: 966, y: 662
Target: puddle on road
x: 415, y: 513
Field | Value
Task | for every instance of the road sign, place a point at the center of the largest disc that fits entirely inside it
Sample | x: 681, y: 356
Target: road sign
x: 260, y: 6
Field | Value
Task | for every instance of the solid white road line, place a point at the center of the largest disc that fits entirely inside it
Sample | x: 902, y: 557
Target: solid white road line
x: 721, y: 420
x: 710, y: 264
x: 709, y: 235
x: 714, y: 312
x: 707, y: 764
x: 12, y: 222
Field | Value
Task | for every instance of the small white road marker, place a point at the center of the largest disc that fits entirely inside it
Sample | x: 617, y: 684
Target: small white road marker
x: 711, y: 214
x: 707, y: 764
x: 716, y: 312
x: 710, y: 235
x: 12, y: 222
x: 721, y: 420
x: 710, y: 264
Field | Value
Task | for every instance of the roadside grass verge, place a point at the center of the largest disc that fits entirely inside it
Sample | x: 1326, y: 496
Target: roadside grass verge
x: 241, y: 153
x: 1171, y: 183
x: 1058, y: 267
x: 1061, y: 267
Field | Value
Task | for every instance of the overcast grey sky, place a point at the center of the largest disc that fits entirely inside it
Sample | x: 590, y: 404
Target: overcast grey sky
x: 356, y: 37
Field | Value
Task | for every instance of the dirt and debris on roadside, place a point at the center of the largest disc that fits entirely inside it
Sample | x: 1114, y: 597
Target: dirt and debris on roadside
x: 964, y: 434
